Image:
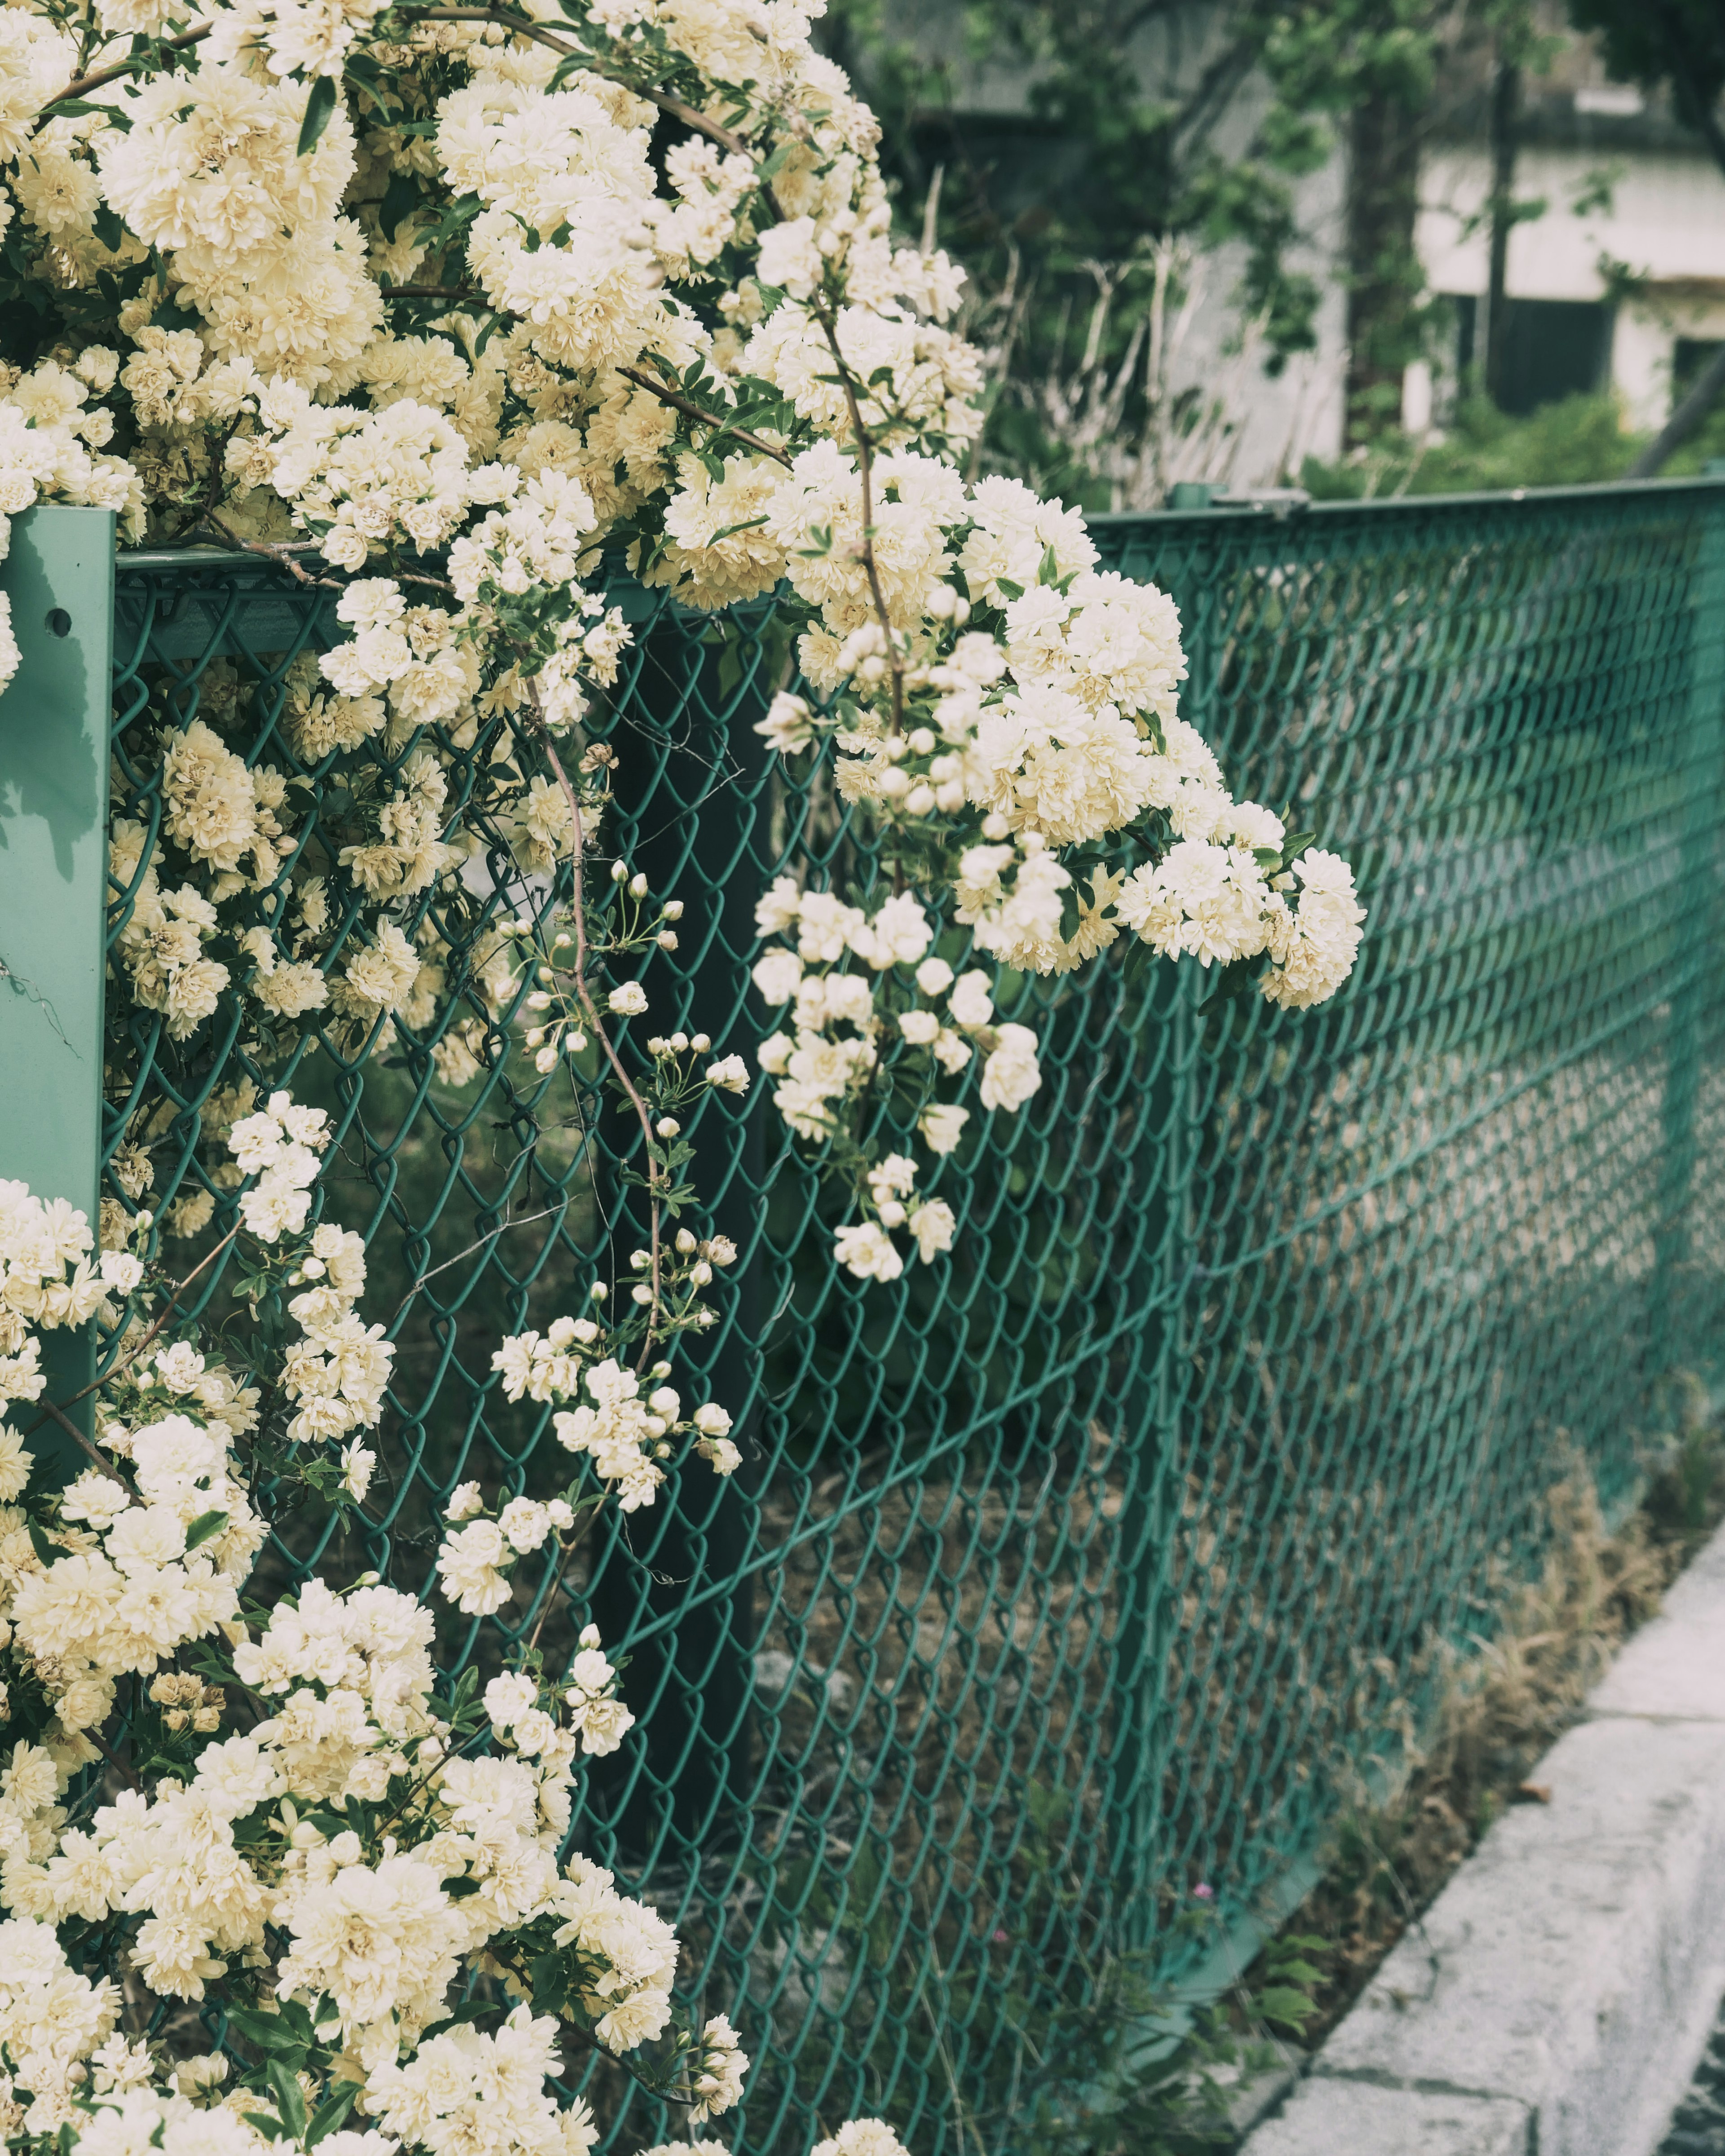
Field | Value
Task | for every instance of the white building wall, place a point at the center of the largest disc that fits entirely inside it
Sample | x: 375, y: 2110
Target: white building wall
x: 1665, y: 227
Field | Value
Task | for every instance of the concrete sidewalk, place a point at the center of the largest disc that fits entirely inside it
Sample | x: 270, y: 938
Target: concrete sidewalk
x: 1559, y: 1994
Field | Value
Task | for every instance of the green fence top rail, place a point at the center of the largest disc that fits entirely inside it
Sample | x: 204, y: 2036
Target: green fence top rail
x: 1070, y: 1579
x: 1288, y: 505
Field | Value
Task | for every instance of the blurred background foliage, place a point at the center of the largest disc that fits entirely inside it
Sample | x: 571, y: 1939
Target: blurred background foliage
x: 1157, y: 201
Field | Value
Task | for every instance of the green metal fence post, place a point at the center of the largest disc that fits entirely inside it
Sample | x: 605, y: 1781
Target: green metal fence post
x: 58, y: 577
x: 1145, y: 1729
x: 689, y: 791
x: 1692, y: 913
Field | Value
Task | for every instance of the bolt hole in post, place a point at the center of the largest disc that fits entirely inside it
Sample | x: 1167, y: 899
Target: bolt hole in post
x: 53, y: 820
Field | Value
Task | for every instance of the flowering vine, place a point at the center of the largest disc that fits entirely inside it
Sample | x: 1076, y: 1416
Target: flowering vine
x: 464, y: 312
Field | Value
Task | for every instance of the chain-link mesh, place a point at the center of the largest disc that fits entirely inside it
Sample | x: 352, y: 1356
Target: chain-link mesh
x: 1069, y: 1575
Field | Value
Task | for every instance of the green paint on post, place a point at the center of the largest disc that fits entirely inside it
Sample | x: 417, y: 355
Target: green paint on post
x: 58, y: 577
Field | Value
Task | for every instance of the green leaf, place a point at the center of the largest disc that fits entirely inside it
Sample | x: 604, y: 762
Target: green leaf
x: 290, y: 2102
x: 1287, y: 2008
x: 400, y: 198
x: 1235, y: 980
x: 319, y: 106
x: 731, y: 530
x: 204, y: 1529
x: 269, y: 2032
x: 271, y: 2128
x: 331, y: 2112
x: 1005, y: 584
x: 470, y: 2010
x: 109, y: 229
x: 549, y: 1979
x: 48, y: 1552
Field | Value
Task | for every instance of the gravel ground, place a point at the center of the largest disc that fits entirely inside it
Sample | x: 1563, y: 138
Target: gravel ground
x: 1697, y: 2127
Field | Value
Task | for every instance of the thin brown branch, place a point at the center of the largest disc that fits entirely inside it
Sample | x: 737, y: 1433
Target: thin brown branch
x: 524, y: 27
x: 113, y: 1759
x: 50, y: 1412
x: 277, y: 551
x: 565, y: 1551
x: 717, y: 420
x: 865, y: 465
x: 589, y: 1009
x: 127, y: 1361
x: 83, y: 84
x: 503, y: 1227
x: 429, y: 291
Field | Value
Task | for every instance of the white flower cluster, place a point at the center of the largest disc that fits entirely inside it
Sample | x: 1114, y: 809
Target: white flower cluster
x: 149, y: 1567
x: 471, y: 358
x: 1217, y: 901
x: 907, y: 1010
x: 628, y: 1430
x: 50, y: 444
x: 352, y: 1847
x: 466, y: 2094
x: 715, y: 352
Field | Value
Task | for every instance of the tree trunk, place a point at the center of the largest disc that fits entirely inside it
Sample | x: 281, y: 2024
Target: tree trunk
x: 1384, y: 278
x: 1506, y: 99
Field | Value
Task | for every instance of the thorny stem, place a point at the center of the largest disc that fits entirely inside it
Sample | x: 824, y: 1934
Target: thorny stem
x: 583, y: 996
x: 277, y: 551
x: 120, y: 1368
x: 51, y: 1413
x: 714, y: 419
x: 167, y: 1308
x: 86, y: 83
x: 865, y: 465
x: 113, y: 1759
x: 503, y: 1227
x: 565, y: 1551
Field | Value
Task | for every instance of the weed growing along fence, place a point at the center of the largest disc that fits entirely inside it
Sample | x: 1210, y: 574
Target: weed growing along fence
x: 1071, y: 1575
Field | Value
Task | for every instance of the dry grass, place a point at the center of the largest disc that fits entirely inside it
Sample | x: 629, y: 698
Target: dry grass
x: 1503, y: 1702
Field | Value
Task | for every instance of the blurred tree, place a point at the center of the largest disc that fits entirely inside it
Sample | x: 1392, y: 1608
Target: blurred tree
x: 1149, y: 137
x: 1674, y: 45
x: 1677, y: 46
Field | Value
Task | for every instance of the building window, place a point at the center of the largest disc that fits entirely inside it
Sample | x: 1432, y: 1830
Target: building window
x: 1689, y: 355
x: 1556, y: 348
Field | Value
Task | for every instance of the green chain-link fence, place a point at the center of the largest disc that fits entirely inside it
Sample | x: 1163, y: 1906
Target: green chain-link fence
x: 1069, y: 1577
